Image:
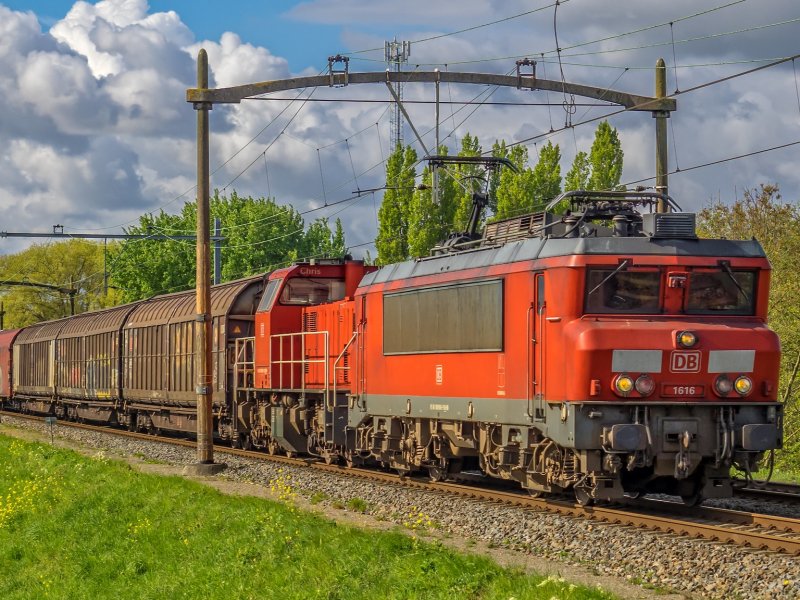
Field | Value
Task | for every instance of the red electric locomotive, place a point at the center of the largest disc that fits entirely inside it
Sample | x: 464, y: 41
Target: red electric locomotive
x: 605, y: 351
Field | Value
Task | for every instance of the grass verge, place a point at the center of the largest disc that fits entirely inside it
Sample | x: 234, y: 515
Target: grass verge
x: 72, y: 527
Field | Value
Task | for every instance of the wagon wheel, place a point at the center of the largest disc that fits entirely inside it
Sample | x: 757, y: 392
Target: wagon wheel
x: 330, y: 458
x: 441, y: 470
x: 534, y: 493
x: 692, y: 499
x: 291, y: 454
x: 437, y: 472
x: 273, y: 447
x: 245, y: 443
x: 582, y: 495
x: 350, y: 459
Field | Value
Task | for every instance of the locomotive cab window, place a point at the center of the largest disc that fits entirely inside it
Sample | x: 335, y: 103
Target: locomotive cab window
x: 306, y: 291
x: 610, y: 290
x: 721, y: 291
x: 269, y: 295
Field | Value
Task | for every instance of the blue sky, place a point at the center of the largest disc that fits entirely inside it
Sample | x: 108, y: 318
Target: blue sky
x: 96, y: 129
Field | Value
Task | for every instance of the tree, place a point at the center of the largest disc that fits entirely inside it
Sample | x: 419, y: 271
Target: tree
x: 761, y: 214
x: 321, y: 242
x: 392, y: 240
x: 470, y: 177
x: 605, y: 159
x: 578, y: 175
x: 529, y: 189
x: 72, y: 264
x: 547, y: 175
x: 431, y: 219
x: 260, y: 235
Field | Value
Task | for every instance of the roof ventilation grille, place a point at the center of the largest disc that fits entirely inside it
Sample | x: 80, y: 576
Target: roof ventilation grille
x: 669, y: 225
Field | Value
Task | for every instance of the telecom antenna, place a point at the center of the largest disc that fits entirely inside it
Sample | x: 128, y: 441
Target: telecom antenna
x: 397, y: 54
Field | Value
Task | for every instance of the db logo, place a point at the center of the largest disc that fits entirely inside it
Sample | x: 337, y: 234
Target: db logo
x: 685, y: 362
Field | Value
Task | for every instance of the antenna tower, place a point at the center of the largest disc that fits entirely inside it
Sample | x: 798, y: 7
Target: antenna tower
x: 397, y: 54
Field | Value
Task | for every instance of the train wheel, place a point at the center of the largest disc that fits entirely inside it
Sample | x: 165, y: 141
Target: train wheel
x: 535, y: 493
x: 273, y: 447
x: 582, y: 495
x: 437, y: 472
x: 350, y: 459
x: 330, y: 459
x: 692, y: 499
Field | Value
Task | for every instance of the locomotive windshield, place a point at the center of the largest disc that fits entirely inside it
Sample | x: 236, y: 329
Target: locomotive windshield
x: 621, y: 291
x: 312, y: 291
x: 721, y: 291
x: 269, y: 295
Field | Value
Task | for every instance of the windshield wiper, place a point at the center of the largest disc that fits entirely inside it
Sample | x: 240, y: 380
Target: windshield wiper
x: 727, y: 267
x: 621, y: 266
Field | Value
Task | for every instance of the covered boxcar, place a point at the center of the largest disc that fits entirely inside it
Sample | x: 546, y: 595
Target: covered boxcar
x: 159, y: 354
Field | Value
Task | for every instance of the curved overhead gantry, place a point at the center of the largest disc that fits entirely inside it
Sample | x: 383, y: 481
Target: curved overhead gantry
x: 339, y: 79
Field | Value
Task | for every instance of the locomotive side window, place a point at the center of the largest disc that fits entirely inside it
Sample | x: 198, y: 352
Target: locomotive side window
x: 312, y: 291
x: 620, y: 291
x: 456, y: 318
x: 721, y: 291
x: 269, y: 295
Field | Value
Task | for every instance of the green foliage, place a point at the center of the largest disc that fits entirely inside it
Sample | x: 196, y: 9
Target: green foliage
x: 529, y: 189
x: 470, y: 177
x: 412, y: 225
x: 578, y: 175
x: 427, y: 224
x: 78, y: 528
x: 74, y: 263
x: 320, y: 241
x: 605, y: 158
x: 144, y: 268
x: 761, y: 214
x: 432, y: 220
x: 393, y: 215
x: 260, y: 235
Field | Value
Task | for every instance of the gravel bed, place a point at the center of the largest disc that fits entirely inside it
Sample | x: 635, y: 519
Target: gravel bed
x: 697, y: 568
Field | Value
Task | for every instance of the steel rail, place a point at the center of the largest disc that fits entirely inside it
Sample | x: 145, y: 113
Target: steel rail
x: 750, y: 530
x: 780, y: 491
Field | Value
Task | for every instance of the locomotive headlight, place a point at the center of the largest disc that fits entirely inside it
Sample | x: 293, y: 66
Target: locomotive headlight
x: 723, y: 385
x: 623, y: 384
x: 686, y: 339
x: 645, y: 385
x: 743, y: 385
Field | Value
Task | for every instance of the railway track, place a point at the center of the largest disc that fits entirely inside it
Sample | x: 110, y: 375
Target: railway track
x: 752, y: 530
x: 769, y: 490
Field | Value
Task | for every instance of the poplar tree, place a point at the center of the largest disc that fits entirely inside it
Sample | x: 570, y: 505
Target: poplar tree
x: 431, y: 219
x: 605, y: 159
x: 529, y: 189
x: 578, y: 175
x: 392, y: 240
x: 470, y: 178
